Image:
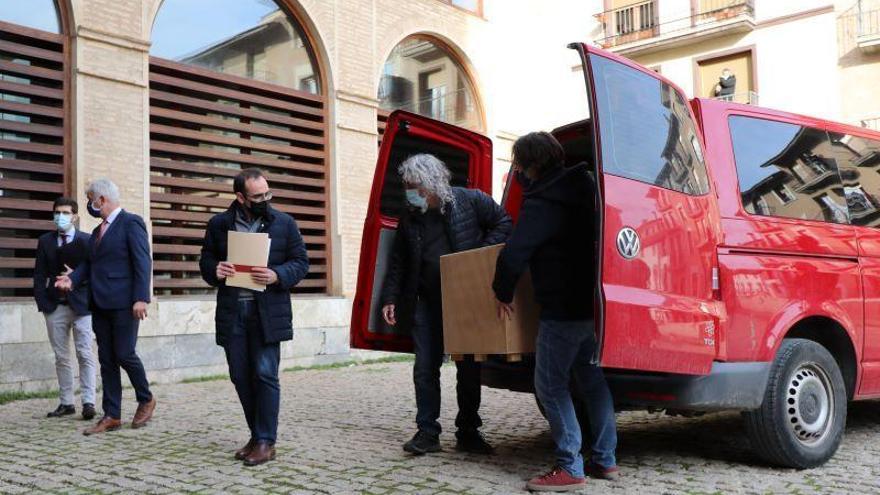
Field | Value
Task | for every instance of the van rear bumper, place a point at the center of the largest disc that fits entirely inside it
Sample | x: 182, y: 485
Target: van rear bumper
x: 727, y: 386
x: 737, y: 386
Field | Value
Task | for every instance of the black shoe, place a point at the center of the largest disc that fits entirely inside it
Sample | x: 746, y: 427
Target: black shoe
x: 472, y: 441
x: 88, y: 411
x: 422, y: 443
x: 62, y: 410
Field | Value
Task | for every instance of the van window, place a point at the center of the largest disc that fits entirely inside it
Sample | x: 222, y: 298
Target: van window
x: 646, y: 129
x: 786, y: 170
x: 858, y: 159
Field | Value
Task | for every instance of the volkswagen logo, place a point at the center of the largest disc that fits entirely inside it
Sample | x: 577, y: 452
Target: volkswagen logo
x: 628, y: 244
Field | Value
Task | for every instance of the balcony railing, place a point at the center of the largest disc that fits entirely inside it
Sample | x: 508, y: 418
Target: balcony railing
x: 641, y: 21
x: 747, y: 97
x: 631, y: 23
x: 719, y: 10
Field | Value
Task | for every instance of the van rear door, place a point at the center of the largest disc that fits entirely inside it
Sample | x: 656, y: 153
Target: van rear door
x: 660, y: 224
x: 469, y: 158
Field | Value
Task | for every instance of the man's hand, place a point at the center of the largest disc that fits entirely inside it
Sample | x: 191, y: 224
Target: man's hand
x: 225, y: 269
x: 505, y: 310
x: 67, y: 270
x: 139, y: 310
x: 388, y: 314
x: 264, y: 276
x: 63, y: 283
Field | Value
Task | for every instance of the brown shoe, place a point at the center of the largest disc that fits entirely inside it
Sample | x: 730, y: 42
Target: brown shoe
x: 143, y: 414
x: 106, y: 424
x: 245, y: 451
x: 262, y: 452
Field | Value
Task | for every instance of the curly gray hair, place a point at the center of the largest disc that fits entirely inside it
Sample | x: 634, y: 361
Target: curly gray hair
x: 430, y: 173
x: 104, y: 187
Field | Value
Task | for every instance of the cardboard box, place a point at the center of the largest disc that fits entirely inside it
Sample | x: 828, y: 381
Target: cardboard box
x: 470, y: 320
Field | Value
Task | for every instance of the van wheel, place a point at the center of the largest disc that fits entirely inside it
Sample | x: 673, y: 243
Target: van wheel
x: 800, y: 423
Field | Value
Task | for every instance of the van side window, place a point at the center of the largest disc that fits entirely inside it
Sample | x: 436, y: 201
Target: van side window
x: 859, y: 161
x: 786, y: 170
x: 646, y: 130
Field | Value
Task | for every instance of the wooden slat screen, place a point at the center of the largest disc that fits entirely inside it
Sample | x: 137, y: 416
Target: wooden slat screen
x: 382, y: 117
x: 204, y: 128
x: 33, y: 147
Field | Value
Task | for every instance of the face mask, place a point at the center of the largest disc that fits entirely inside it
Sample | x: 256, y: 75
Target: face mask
x: 259, y: 209
x: 523, y: 180
x: 416, y: 199
x: 62, y: 220
x: 93, y: 211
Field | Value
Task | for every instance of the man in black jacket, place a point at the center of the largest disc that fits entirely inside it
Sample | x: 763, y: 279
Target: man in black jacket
x: 57, y: 252
x: 252, y: 324
x: 554, y: 236
x: 442, y: 220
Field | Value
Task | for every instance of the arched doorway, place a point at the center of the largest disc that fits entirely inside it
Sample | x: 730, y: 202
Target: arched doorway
x: 424, y: 75
x: 34, y: 133
x: 243, y: 89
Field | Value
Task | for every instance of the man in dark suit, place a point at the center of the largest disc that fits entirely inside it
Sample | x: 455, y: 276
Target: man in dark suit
x: 118, y: 271
x: 57, y: 252
x: 252, y: 324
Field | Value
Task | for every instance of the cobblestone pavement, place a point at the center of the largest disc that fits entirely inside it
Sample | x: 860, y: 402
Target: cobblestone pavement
x: 341, y: 432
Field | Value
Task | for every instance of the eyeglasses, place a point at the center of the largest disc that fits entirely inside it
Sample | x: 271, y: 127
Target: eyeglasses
x: 259, y: 198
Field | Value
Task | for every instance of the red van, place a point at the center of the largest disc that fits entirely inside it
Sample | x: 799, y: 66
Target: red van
x: 739, y: 263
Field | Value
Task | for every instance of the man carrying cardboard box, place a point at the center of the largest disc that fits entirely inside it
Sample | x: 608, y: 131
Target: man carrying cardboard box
x: 442, y: 220
x: 554, y: 237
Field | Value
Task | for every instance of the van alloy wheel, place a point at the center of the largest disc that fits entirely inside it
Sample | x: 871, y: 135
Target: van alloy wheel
x: 810, y: 403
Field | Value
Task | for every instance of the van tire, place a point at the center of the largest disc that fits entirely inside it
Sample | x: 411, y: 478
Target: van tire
x: 801, y: 421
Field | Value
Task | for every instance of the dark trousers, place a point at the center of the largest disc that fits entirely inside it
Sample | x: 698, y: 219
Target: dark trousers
x: 116, y: 331
x: 253, y: 369
x: 428, y: 340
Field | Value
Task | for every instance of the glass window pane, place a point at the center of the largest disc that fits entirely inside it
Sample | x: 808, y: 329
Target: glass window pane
x: 647, y: 133
x: 859, y: 161
x: 422, y: 77
x: 37, y: 14
x: 248, y: 38
x: 787, y: 170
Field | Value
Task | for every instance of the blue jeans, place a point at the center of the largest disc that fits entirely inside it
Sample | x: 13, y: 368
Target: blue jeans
x: 427, y: 336
x: 565, y: 351
x: 253, y: 369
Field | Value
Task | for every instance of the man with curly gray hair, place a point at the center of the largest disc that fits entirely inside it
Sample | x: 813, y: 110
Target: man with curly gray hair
x: 442, y: 219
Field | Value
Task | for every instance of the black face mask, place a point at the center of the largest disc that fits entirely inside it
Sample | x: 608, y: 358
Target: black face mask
x: 524, y: 181
x: 93, y: 211
x: 259, y: 209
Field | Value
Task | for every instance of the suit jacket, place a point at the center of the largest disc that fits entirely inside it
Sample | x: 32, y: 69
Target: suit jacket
x: 119, y: 267
x: 50, y: 263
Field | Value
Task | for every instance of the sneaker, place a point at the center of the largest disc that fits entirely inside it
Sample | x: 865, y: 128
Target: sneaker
x: 557, y: 480
x: 600, y: 472
x: 472, y: 441
x: 422, y: 443
x: 62, y: 410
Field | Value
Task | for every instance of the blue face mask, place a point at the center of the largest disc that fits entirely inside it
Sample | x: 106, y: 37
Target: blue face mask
x: 62, y: 221
x: 415, y: 199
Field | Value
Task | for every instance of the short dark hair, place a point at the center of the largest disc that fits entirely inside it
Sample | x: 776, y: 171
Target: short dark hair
x: 538, y: 151
x: 65, y: 201
x: 244, y: 176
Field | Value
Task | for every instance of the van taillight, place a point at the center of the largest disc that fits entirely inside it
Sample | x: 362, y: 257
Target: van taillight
x: 716, y: 283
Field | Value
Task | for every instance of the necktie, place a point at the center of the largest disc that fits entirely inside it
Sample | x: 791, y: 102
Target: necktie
x: 104, y: 225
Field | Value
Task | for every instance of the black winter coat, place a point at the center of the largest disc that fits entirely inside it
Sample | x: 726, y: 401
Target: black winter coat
x: 287, y: 257
x: 554, y: 236
x: 473, y: 220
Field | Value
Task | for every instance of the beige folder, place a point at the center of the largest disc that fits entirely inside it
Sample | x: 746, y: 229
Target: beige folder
x: 247, y: 251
